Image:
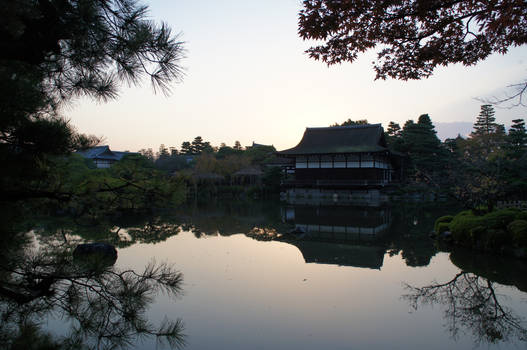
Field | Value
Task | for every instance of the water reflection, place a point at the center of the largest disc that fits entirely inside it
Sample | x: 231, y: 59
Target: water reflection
x: 339, y: 234
x: 105, y: 307
x: 341, y: 254
x: 122, y: 231
x: 503, y: 270
x: 471, y: 301
x: 327, y: 233
x: 342, y: 235
x: 344, y: 223
x: 238, y: 282
x: 471, y: 304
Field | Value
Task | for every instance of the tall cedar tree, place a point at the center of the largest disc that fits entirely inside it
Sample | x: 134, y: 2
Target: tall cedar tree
x: 517, y: 139
x: 420, y: 141
x: 393, y: 137
x: 488, y: 136
x: 486, y: 122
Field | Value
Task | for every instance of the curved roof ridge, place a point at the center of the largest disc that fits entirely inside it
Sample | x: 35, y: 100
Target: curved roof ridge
x: 340, y: 139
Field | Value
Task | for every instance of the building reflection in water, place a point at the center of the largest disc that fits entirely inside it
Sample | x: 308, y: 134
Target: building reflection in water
x: 347, y: 235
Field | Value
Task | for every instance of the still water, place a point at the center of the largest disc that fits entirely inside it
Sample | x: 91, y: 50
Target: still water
x: 273, y: 275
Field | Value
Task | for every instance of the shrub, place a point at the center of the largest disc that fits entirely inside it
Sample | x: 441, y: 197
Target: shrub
x: 442, y: 219
x: 522, y: 215
x: 461, y: 226
x: 518, y: 229
x: 490, y: 232
x: 476, y: 234
x: 500, y: 218
x: 442, y: 227
x: 494, y: 239
x: 465, y: 213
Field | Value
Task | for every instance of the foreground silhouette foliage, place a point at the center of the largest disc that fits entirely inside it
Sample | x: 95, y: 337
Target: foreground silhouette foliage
x: 413, y: 37
x: 105, y: 306
x: 416, y: 36
x: 53, y: 51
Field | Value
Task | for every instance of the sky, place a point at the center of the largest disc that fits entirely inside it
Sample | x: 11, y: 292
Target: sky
x: 247, y: 78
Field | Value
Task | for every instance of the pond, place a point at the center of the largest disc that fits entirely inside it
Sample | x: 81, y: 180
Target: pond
x: 276, y: 275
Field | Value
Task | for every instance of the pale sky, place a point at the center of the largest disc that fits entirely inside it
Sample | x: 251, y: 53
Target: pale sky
x: 248, y: 79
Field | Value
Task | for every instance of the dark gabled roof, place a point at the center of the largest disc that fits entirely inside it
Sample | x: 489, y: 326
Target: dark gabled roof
x: 102, y: 152
x: 260, y: 145
x: 340, y: 139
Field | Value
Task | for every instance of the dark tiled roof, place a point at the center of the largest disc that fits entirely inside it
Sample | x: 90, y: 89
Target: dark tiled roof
x: 340, y: 139
x: 102, y: 152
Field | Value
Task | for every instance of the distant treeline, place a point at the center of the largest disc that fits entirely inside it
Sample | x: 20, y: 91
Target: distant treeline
x: 201, y: 156
x: 488, y: 165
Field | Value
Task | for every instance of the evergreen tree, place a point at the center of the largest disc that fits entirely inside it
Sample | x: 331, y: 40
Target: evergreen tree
x: 147, y: 153
x: 455, y: 145
x: 419, y: 140
x: 207, y: 148
x: 53, y: 51
x: 225, y: 151
x: 394, y: 129
x: 393, y: 137
x: 488, y: 136
x: 517, y: 138
x: 485, y: 123
x: 186, y: 148
x: 163, y: 152
x: 197, y: 145
x: 350, y: 122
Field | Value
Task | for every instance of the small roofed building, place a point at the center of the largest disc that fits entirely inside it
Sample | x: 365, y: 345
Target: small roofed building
x: 260, y: 145
x: 343, y: 156
x: 248, y: 176
x: 102, y: 156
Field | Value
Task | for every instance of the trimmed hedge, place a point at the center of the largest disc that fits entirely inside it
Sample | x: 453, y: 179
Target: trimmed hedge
x: 518, y: 229
x: 443, y: 219
x: 500, y: 218
x: 461, y: 227
x: 493, y: 231
x: 442, y: 227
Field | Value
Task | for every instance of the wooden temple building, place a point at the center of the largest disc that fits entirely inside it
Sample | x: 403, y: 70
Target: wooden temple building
x: 102, y: 156
x: 343, y: 157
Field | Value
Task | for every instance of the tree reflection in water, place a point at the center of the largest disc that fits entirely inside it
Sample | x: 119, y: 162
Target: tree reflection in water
x: 105, y: 306
x: 471, y: 304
